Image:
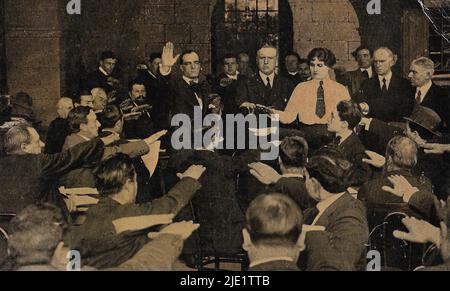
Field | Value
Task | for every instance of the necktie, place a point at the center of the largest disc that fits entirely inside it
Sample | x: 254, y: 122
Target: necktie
x: 366, y: 74
x: 195, y: 87
x: 268, y: 86
x: 384, y: 90
x: 419, y: 97
x: 320, y: 106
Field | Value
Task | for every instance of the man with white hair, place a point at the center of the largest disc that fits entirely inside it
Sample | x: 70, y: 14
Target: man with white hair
x: 427, y: 93
x: 59, y: 128
x: 386, y: 96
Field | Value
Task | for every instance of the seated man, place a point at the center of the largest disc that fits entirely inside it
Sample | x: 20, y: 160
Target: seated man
x: 30, y: 176
x: 59, y: 128
x: 343, y: 122
x: 401, y: 158
x: 292, y: 160
x: 36, y: 244
x: 100, y: 99
x: 85, y: 99
x: 272, y: 233
x: 99, y: 240
x: 342, y: 246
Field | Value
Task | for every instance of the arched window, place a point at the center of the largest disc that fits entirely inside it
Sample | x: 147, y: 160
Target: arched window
x: 244, y: 25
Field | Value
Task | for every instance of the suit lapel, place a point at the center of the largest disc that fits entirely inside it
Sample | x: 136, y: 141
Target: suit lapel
x: 342, y: 201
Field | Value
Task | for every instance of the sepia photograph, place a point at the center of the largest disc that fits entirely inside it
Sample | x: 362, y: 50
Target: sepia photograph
x: 213, y: 140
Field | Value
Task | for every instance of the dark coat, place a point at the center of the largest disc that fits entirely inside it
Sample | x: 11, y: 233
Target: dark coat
x: 438, y: 99
x: 97, y: 79
x: 229, y: 93
x: 353, y: 81
x: 275, y: 266
x: 397, y: 104
x: 295, y: 79
x: 295, y: 188
x: 254, y: 91
x: 27, y: 179
x: 342, y: 246
x: 56, y: 136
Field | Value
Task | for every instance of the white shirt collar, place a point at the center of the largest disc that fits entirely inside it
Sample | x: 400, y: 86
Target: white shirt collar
x: 293, y: 74
x: 369, y: 70
x: 268, y: 260
x: 424, y: 90
x: 235, y: 77
x: 264, y: 78
x: 103, y: 71
x: 83, y: 137
x: 322, y: 206
x: 151, y: 74
x: 388, y: 78
x: 189, y: 80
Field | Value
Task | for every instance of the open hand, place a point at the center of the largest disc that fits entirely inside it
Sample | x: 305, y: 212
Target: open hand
x: 376, y: 160
x: 264, y: 173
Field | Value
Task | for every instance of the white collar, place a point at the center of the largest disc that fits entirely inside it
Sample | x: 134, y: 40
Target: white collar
x: 369, y: 71
x: 103, y: 71
x: 268, y: 260
x: 83, y: 137
x: 293, y: 74
x: 151, y: 74
x: 388, y: 78
x: 292, y: 176
x: 424, y: 89
x: 264, y: 77
x: 344, y: 138
x: 235, y: 77
x: 322, y: 206
x: 188, y: 80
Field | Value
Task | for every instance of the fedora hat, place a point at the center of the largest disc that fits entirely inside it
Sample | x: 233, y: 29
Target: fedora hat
x: 426, y: 118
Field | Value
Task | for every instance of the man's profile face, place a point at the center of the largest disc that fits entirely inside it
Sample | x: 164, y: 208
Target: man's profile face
x: 364, y: 59
x: 108, y: 65
x: 319, y: 70
x: 335, y: 123
x: 267, y: 60
x: 230, y: 66
x: 64, y: 108
x: 154, y: 66
x: 36, y: 145
x: 92, y: 125
x: 419, y: 76
x: 87, y: 101
x: 191, y: 66
x: 383, y: 62
x: 305, y: 71
x: 291, y: 64
x: 138, y: 92
x: 100, y: 99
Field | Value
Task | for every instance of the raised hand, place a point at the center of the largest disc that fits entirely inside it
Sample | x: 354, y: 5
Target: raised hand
x: 167, y: 58
x: 264, y: 173
x: 154, y: 138
x: 419, y: 232
x: 437, y: 149
x: 195, y: 172
x: 400, y: 187
x: 376, y: 160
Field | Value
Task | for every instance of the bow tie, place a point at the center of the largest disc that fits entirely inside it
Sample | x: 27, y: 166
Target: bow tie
x: 194, y: 86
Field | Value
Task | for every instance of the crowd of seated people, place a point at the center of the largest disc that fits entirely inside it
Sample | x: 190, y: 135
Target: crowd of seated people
x: 363, y: 165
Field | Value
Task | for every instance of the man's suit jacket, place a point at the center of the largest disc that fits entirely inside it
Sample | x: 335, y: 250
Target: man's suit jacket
x: 438, y: 99
x: 228, y: 93
x: 295, y: 188
x: 56, y: 136
x: 275, y: 266
x: 342, y: 246
x: 27, y: 179
x: 395, y: 105
x: 380, y: 203
x: 295, y: 79
x: 353, y: 80
x: 254, y: 91
x: 97, y: 79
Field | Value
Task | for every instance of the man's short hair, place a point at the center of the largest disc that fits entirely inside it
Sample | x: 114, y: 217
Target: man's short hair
x: 274, y: 220
x: 112, y: 174
x: 294, y: 152
x: 386, y: 49
x: 230, y: 56
x: 184, y: 53
x: 108, y: 55
x: 303, y: 61
x: 77, y: 117
x: 295, y: 55
x: 425, y: 63
x: 266, y: 46
x: 137, y: 81
x: 154, y: 56
x: 324, y: 55
x: 350, y: 112
x: 361, y: 48
x: 35, y: 233
x: 241, y: 55
x: 110, y: 116
x: 15, y: 137
x: 331, y: 170
x: 403, y: 152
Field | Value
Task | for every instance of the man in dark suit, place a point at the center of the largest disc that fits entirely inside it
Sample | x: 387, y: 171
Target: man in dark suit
x: 32, y: 174
x: 272, y: 234
x: 386, y: 96
x: 292, y: 61
x: 342, y: 246
x: 59, y: 128
x: 265, y: 87
x: 103, y: 76
x: 427, y: 93
x: 354, y: 79
x: 226, y: 84
x: 400, y: 160
x: 343, y: 122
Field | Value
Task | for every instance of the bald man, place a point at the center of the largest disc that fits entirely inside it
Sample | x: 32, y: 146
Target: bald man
x: 59, y: 128
x: 386, y: 96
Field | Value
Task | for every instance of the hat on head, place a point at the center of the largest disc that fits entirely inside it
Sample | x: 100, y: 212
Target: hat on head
x: 427, y: 119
